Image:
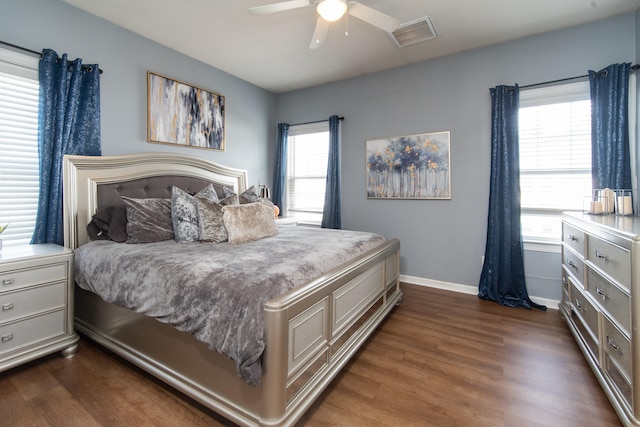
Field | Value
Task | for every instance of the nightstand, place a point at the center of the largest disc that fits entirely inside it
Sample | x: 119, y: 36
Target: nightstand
x: 36, y: 303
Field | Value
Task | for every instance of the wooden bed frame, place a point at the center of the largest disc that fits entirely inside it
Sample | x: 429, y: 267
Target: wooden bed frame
x: 310, y: 332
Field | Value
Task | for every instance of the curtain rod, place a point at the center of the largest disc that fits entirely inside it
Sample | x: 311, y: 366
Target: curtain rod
x: 633, y: 68
x: 317, y: 121
x: 31, y: 51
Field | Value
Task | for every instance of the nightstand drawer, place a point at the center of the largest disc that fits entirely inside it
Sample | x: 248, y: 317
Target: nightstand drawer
x: 20, y: 278
x: 573, y: 237
x: 615, y: 301
x: 613, y: 260
x: 32, y: 330
x: 33, y: 300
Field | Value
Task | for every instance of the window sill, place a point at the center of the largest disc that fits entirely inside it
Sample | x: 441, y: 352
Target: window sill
x: 543, y: 246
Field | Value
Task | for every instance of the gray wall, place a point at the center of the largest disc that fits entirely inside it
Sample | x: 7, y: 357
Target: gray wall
x: 444, y: 240
x: 125, y: 59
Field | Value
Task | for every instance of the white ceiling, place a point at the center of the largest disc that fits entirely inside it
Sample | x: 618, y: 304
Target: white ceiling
x: 272, y: 51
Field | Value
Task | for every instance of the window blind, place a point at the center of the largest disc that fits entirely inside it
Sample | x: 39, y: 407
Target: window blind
x: 19, y: 176
x: 308, y: 152
x: 555, y: 155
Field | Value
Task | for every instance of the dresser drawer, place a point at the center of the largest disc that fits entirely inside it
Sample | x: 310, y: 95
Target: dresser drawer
x: 617, y: 346
x: 615, y: 301
x: 613, y: 260
x: 574, y: 237
x: 32, y: 300
x: 581, y: 305
x: 32, y: 330
x: 566, y: 299
x: 574, y: 264
x: 619, y: 381
x: 14, y: 279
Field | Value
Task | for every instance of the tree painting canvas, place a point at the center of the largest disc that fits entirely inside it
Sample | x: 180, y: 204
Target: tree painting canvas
x: 409, y: 167
x: 182, y: 114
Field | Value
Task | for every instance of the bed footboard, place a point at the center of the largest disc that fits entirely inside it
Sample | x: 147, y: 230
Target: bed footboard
x: 310, y: 333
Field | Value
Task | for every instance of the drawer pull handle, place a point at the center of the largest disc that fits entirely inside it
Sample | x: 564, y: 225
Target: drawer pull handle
x: 564, y: 280
x: 571, y: 237
x: 7, y: 307
x: 600, y: 255
x: 613, y: 345
x: 579, y: 306
x: 571, y: 264
x: 602, y: 293
x: 8, y: 281
x: 6, y: 338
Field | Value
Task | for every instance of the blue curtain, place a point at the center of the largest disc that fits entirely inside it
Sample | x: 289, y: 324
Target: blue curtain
x: 502, y: 279
x: 610, y: 158
x: 331, y: 215
x: 280, y: 167
x: 69, y: 123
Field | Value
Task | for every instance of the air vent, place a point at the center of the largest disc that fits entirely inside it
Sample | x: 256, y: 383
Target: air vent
x: 412, y: 32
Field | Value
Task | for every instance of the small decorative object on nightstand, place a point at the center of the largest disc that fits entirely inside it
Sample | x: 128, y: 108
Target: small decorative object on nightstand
x: 36, y: 303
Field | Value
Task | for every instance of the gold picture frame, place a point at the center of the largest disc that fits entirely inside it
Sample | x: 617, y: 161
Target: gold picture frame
x: 181, y: 114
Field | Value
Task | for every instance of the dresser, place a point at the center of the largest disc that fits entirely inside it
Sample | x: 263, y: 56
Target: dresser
x: 600, y: 289
x: 36, y: 303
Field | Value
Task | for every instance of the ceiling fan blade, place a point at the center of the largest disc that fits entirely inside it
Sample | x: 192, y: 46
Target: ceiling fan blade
x: 373, y: 17
x: 320, y: 33
x: 280, y: 7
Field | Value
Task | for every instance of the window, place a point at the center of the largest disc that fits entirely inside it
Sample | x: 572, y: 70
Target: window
x: 19, y: 179
x: 555, y: 156
x: 307, y: 157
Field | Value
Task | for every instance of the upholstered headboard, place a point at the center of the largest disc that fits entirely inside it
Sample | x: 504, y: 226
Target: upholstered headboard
x: 92, y: 182
x: 153, y: 186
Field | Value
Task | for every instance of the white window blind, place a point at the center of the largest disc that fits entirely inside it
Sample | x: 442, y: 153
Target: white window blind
x: 307, y: 157
x: 18, y: 146
x: 555, y: 156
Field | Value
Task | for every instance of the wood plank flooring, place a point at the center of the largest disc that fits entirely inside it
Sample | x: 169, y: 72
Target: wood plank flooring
x: 440, y: 359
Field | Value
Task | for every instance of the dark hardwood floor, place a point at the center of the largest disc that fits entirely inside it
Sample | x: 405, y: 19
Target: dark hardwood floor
x: 440, y: 359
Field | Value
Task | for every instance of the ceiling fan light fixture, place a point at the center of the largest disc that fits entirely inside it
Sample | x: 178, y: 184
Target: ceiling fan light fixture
x: 332, y: 10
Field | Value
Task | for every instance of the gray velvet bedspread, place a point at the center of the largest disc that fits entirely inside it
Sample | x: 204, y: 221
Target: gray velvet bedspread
x: 216, y: 292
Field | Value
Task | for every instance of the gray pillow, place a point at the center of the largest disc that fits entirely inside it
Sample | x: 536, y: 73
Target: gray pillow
x: 148, y: 220
x: 210, y: 221
x: 249, y: 222
x: 247, y: 196
x: 184, y: 213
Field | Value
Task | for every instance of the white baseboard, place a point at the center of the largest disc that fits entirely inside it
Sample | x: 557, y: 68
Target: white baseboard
x: 466, y: 289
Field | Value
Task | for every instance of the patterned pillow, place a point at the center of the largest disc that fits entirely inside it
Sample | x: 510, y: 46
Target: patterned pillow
x: 248, y: 196
x: 148, y: 220
x: 184, y: 213
x: 249, y: 222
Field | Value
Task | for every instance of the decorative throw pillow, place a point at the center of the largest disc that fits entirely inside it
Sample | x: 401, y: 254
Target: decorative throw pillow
x: 184, y: 213
x: 249, y: 222
x: 109, y: 223
x: 247, y: 196
x: 148, y: 220
x: 210, y: 221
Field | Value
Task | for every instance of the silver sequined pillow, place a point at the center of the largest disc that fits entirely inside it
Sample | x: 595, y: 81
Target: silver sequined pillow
x: 184, y: 213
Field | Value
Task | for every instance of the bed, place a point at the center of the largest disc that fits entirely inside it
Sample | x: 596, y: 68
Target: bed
x: 310, y: 331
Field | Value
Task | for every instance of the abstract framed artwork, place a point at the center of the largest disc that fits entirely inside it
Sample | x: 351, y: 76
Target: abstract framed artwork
x: 409, y: 167
x: 182, y: 114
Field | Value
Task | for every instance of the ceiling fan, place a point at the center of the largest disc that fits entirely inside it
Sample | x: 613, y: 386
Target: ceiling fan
x: 330, y: 11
